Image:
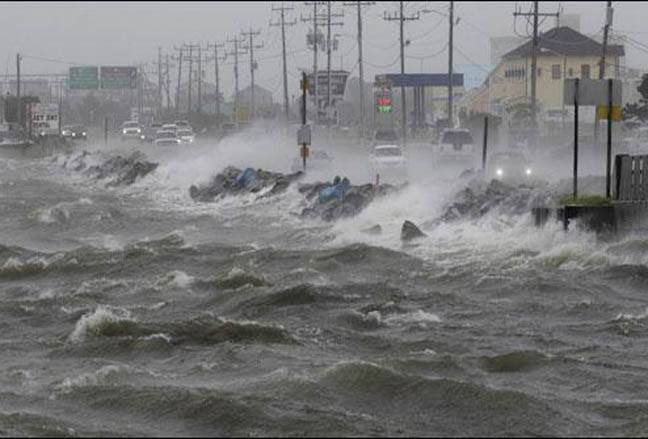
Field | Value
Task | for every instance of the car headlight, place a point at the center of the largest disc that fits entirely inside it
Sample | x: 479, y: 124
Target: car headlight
x: 73, y: 134
x: 528, y: 171
x: 139, y: 131
x: 499, y: 172
x: 83, y: 133
x: 123, y: 131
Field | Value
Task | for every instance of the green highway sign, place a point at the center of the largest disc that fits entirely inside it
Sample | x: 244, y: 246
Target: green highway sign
x: 84, y: 78
x: 120, y: 77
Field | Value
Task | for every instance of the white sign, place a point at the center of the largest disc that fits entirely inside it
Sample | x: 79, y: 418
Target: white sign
x: 44, y: 119
x: 592, y: 91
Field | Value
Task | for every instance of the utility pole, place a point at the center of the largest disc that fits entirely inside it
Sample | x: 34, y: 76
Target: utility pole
x: 159, y: 91
x: 534, y: 59
x: 253, y: 65
x: 400, y: 16
x: 450, y: 66
x: 359, y: 5
x: 168, y: 83
x: 190, y: 87
x: 215, y: 46
x: 283, y: 25
x: 140, y: 92
x: 177, y: 102
x: 236, y: 54
x: 314, y: 18
x: 200, y: 75
x: 19, y: 108
x: 328, y: 61
x: 606, y: 32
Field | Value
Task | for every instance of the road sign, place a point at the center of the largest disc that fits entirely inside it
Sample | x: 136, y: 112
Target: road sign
x: 592, y: 92
x: 118, y: 77
x: 602, y: 111
x: 84, y: 78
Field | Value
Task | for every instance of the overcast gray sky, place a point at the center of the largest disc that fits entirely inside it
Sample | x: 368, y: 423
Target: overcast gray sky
x: 126, y: 33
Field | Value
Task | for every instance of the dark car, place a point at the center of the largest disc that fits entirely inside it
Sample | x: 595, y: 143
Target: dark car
x: 74, y: 132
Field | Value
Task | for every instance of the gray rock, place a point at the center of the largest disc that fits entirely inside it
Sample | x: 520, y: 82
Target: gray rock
x: 226, y: 183
x: 410, y: 231
x: 121, y: 170
x: 481, y: 198
x: 354, y: 201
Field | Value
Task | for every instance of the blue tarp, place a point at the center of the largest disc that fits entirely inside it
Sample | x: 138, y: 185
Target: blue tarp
x: 333, y: 191
x: 249, y: 175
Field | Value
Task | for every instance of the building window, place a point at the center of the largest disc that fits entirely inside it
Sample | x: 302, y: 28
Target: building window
x: 571, y: 72
x: 585, y: 71
x: 555, y: 71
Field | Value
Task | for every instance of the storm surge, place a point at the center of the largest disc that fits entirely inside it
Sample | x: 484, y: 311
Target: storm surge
x: 130, y: 308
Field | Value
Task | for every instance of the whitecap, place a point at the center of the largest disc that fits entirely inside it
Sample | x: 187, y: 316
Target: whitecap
x: 92, y: 321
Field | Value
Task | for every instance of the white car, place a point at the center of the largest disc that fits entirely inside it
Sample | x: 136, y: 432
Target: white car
x: 166, y: 137
x: 131, y: 130
x: 388, y: 164
x: 185, y: 135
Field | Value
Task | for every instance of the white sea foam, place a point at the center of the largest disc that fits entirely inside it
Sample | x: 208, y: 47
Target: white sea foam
x: 418, y: 316
x: 177, y: 279
x: 91, y: 322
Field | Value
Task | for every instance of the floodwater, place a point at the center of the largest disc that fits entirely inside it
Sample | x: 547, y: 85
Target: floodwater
x: 133, y: 310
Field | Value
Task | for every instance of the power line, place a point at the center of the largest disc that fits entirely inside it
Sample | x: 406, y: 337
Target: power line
x: 58, y: 61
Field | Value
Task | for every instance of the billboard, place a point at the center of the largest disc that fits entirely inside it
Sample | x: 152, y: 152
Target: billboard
x: 84, y: 78
x: 44, y: 119
x: 592, y: 91
x: 118, y: 77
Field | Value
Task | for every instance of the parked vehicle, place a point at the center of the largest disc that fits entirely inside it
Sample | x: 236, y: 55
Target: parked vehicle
x: 166, y: 138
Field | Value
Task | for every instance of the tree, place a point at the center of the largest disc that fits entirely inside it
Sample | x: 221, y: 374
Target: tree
x: 639, y: 109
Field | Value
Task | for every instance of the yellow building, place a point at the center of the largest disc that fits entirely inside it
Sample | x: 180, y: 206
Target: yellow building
x: 562, y: 53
